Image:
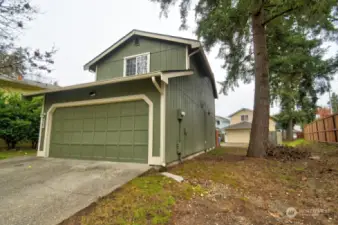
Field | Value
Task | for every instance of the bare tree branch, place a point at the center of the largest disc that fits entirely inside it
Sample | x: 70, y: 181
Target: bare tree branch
x: 277, y: 15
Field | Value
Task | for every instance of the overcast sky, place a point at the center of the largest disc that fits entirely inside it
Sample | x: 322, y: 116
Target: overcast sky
x: 81, y: 29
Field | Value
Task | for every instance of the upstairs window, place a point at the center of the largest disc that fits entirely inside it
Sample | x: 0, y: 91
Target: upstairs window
x: 244, y: 118
x: 137, y: 64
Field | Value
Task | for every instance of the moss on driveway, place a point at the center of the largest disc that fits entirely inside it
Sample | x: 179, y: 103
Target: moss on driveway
x: 14, y: 153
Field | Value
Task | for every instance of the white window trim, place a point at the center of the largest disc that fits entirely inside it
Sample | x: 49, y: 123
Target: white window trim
x: 152, y: 160
x: 133, y: 56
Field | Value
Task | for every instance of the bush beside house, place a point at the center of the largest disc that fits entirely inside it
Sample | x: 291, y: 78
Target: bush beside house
x: 19, y: 119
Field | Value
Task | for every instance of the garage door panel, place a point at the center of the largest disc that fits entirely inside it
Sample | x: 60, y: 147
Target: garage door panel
x: 127, y: 123
x: 58, y: 125
x: 126, y: 153
x: 99, y: 152
x: 67, y: 125
x: 57, y: 137
x: 141, y: 153
x: 141, y: 122
x: 141, y: 108
x: 57, y: 152
x: 74, y: 151
x: 101, y: 111
x: 76, y: 138
x: 116, y: 132
x: 67, y: 137
x: 113, y: 123
x: 112, y: 137
x: 141, y: 137
x: 86, y: 112
x: 87, y: 137
x: 101, y: 124
x: 127, y: 108
x: 87, y: 151
x: 77, y: 124
x: 112, y: 152
x: 88, y: 124
x: 64, y: 150
x: 99, y: 138
x: 114, y: 110
x: 126, y: 137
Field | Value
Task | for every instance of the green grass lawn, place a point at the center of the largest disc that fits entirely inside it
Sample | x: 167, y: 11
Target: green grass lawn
x: 295, y: 142
x: 13, y: 153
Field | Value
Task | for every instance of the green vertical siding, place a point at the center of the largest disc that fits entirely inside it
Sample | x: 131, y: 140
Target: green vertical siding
x: 194, y: 95
x: 163, y: 56
x: 113, y: 90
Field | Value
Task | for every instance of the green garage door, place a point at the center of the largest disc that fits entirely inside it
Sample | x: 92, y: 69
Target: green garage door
x: 114, y: 132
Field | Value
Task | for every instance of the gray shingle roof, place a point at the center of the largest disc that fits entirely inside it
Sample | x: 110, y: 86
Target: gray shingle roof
x: 239, y: 126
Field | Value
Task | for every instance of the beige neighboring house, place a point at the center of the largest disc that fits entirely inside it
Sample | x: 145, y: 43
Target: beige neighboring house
x: 240, y: 126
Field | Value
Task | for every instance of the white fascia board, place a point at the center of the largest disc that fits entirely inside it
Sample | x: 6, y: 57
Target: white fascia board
x: 96, y: 83
x: 166, y: 76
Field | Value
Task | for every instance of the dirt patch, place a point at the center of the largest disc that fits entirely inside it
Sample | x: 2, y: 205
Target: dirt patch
x: 287, y: 153
x: 260, y: 191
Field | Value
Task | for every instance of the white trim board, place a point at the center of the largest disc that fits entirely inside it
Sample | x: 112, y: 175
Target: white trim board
x: 49, y: 120
x: 163, y: 121
x: 164, y: 76
x: 42, y: 124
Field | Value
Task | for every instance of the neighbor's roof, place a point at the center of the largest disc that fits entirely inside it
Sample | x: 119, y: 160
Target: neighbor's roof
x: 30, y: 83
x: 247, y: 109
x: 242, y: 109
x: 222, y: 118
x: 194, y: 44
x: 239, y: 126
x: 162, y: 74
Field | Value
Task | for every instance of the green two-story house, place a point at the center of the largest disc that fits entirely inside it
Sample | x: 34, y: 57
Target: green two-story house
x: 152, y: 102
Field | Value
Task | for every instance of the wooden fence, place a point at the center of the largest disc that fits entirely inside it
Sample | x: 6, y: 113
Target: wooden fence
x: 322, y: 130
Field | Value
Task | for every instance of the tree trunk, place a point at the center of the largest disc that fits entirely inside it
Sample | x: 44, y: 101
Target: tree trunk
x: 34, y: 144
x: 13, y: 145
x: 289, y: 131
x: 259, y: 136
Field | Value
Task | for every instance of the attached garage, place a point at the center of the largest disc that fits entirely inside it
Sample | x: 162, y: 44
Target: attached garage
x: 117, y: 131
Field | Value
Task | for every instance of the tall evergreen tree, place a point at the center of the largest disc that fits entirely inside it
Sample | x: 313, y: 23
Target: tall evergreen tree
x: 334, y: 102
x: 239, y: 26
x: 298, y: 73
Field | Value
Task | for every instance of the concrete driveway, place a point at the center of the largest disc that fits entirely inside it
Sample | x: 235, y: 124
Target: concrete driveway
x: 45, y: 191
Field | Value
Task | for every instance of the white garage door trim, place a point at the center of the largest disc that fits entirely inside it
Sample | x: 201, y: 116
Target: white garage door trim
x: 151, y: 160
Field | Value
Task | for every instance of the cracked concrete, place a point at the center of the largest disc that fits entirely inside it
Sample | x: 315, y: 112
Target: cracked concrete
x: 45, y: 191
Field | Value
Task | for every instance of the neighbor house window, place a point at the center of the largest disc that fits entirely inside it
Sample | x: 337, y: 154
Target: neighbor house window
x: 137, y: 64
x: 244, y: 118
x: 218, y: 122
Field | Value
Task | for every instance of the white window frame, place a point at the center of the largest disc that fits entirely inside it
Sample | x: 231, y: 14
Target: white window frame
x: 134, y: 56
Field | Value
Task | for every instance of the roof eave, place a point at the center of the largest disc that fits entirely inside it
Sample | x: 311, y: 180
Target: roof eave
x: 165, y: 75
